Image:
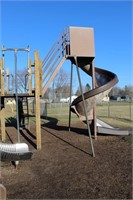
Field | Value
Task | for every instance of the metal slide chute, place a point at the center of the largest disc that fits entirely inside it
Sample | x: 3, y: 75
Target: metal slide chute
x: 105, y: 128
x: 105, y: 80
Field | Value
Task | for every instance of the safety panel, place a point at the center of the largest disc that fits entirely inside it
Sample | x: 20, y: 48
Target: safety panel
x: 82, y: 42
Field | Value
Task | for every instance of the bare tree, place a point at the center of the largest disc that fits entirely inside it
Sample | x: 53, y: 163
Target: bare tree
x: 128, y: 90
x: 22, y: 80
x: 117, y: 91
x: 62, y: 82
x: 78, y: 91
x: 87, y: 87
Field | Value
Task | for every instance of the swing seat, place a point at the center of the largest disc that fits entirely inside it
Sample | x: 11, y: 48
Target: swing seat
x: 14, y: 152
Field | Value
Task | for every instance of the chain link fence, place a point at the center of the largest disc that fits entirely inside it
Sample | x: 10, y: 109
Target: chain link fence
x: 116, y: 109
x: 58, y: 108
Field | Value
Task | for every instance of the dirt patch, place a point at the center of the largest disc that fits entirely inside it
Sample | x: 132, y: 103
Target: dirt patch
x: 65, y: 169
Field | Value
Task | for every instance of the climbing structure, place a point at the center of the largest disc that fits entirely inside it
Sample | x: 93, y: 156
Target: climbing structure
x: 19, y: 151
x: 77, y: 45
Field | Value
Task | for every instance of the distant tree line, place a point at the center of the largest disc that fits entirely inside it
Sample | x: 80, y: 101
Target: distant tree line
x: 115, y: 91
x: 118, y: 91
x: 61, y: 85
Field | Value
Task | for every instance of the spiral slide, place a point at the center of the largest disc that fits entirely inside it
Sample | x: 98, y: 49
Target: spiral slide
x: 105, y: 80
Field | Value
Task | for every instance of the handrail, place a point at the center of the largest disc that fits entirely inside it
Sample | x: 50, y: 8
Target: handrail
x: 51, y: 68
x: 52, y: 48
x: 55, y: 51
x: 49, y: 54
x: 53, y: 74
x: 54, y: 57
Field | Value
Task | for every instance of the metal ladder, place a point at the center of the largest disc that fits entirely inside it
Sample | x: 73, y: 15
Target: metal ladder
x: 26, y: 114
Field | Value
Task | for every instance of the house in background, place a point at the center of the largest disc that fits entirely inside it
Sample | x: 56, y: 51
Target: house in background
x: 72, y: 98
x: 67, y: 100
x: 106, y: 98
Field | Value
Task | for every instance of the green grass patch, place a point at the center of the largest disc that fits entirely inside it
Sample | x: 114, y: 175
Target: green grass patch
x: 117, y: 114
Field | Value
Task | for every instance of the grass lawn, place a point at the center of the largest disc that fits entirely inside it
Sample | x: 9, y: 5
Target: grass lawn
x: 117, y: 114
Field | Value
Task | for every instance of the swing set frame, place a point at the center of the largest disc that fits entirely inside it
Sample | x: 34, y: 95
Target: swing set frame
x: 35, y: 92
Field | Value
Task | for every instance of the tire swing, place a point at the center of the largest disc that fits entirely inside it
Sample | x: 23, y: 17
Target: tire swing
x: 18, y: 151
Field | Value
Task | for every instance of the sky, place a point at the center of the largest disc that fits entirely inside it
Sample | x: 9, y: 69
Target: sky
x: 39, y: 23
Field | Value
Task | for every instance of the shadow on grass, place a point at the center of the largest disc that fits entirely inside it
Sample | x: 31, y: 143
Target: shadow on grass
x: 53, y: 124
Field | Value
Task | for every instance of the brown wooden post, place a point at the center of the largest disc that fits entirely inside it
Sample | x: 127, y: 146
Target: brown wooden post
x: 1, y: 77
x: 94, y: 108
x: 37, y: 99
x: 2, y: 119
x: 29, y: 78
x: 2, y: 111
x: 40, y: 76
x: 0, y: 74
x: 3, y: 192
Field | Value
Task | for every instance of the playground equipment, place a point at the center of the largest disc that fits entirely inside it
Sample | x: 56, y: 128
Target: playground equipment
x: 15, y: 152
x: 77, y: 45
x: 19, y: 151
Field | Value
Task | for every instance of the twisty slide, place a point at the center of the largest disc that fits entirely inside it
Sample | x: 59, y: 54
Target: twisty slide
x: 105, y: 80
